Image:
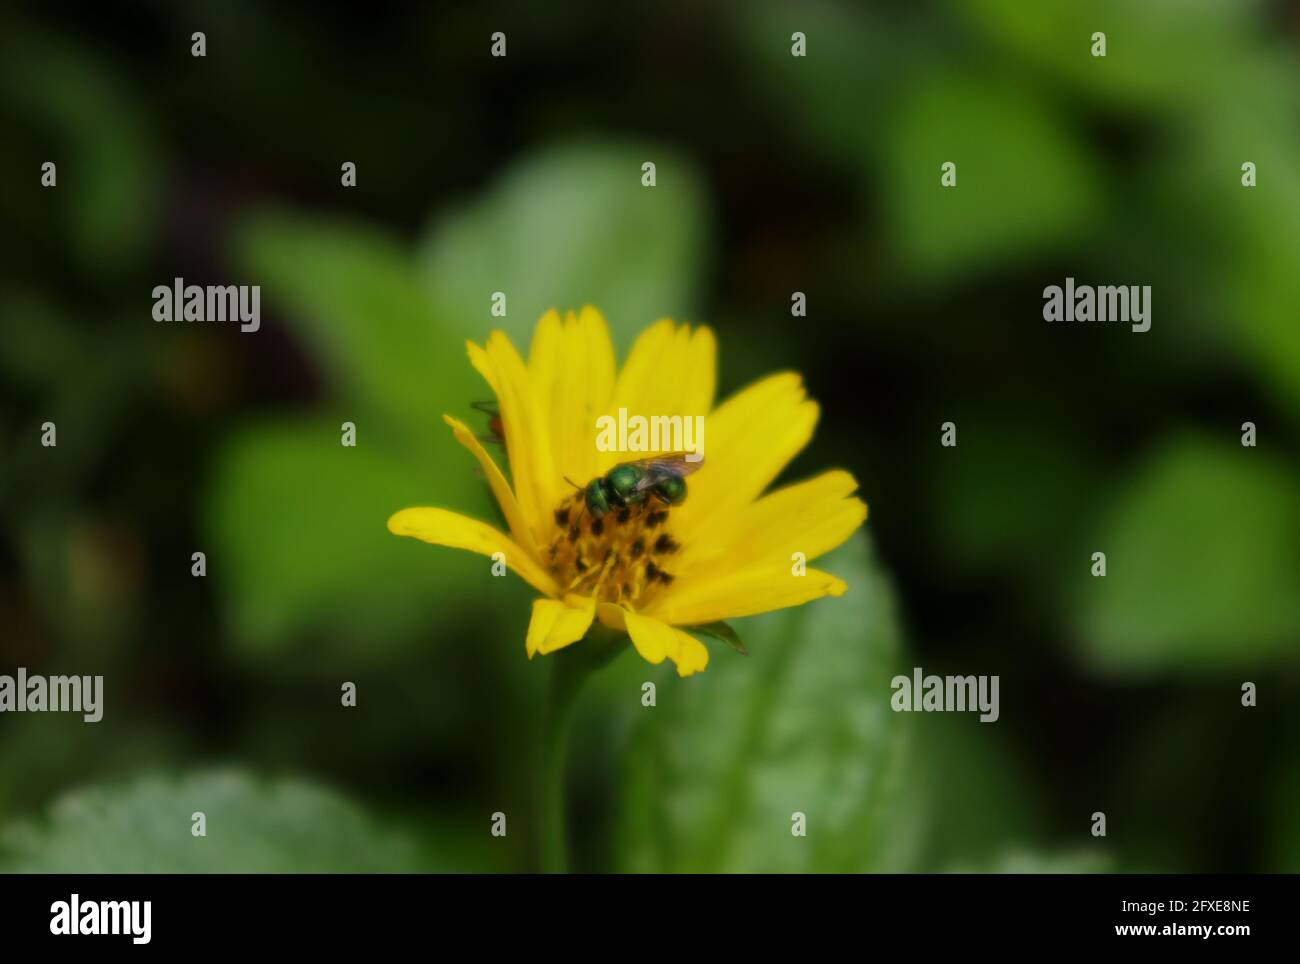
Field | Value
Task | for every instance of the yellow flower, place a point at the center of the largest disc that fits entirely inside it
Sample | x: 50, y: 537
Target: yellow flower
x: 651, y: 570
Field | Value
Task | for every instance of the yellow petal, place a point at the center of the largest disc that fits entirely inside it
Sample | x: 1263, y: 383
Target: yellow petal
x: 556, y: 624
x: 612, y: 615
x: 653, y: 640
x: 543, y: 358
x: 636, y: 383
x: 811, y: 517
x: 656, y: 641
x: 699, y: 373
x: 692, y: 655
x: 528, y: 436
x: 571, y: 364
x: 670, y: 371
x: 479, y: 359
x: 572, y: 624
x: 444, y: 528
x: 546, y: 612
x: 600, y: 349
x: 743, y: 593
x: 542, y: 352
x: 500, y: 488
x: 680, y: 379
x: 748, y: 441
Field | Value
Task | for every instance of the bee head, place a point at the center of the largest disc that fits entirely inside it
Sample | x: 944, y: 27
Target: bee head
x: 671, y: 490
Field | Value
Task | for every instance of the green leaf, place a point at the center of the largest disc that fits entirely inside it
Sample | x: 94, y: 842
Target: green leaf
x: 723, y: 632
x: 716, y: 770
x: 356, y: 299
x: 1262, y: 286
x: 298, y: 520
x: 299, y: 541
x: 570, y: 227
x: 1201, y: 564
x: 1157, y: 54
x: 284, y: 826
x: 1023, y: 180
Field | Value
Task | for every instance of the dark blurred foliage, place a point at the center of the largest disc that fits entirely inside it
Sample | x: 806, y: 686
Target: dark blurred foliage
x: 775, y: 174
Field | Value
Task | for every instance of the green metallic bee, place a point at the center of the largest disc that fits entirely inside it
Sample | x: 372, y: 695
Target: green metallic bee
x: 630, y: 483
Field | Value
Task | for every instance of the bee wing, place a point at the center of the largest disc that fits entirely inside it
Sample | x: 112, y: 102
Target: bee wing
x: 487, y: 408
x: 661, y: 467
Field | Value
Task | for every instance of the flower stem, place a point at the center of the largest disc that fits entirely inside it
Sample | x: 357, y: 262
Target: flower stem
x: 569, y: 671
x: 560, y: 701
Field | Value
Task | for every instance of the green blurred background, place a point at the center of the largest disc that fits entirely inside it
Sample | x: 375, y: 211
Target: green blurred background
x: 775, y: 174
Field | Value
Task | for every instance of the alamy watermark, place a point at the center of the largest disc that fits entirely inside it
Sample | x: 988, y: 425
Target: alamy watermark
x: 182, y: 302
x: 53, y: 694
x: 1126, y: 303
x: 132, y: 918
x: 945, y: 694
x: 657, y: 433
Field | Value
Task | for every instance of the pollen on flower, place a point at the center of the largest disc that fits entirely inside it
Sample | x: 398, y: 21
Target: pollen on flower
x: 618, y: 558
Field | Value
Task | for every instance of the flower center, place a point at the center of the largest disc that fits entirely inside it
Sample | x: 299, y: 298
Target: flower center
x: 617, y: 558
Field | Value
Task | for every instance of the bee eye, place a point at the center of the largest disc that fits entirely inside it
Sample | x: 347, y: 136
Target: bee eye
x: 672, y: 489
